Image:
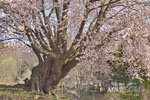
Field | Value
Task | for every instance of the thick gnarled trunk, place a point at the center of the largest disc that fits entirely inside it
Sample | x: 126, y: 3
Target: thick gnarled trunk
x: 46, y: 76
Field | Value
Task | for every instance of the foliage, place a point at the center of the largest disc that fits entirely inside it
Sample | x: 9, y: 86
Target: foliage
x: 118, y: 66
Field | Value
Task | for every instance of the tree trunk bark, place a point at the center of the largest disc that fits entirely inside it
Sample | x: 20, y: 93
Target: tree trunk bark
x: 145, y: 90
x: 46, y: 76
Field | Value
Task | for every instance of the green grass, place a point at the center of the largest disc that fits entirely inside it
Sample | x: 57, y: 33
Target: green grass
x: 130, y: 96
x: 21, y: 94
x: 11, y: 93
x: 121, y: 96
x: 1, y: 89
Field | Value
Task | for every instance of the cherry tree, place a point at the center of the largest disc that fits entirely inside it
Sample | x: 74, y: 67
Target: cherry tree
x: 136, y: 51
x: 135, y: 40
x: 44, y: 25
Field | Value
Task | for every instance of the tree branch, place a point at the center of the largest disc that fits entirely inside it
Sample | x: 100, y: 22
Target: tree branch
x: 77, y: 38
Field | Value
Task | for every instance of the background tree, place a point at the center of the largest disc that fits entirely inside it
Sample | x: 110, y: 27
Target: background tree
x: 19, y: 60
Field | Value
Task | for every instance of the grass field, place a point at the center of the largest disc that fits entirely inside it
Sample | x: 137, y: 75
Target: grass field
x: 12, y: 93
